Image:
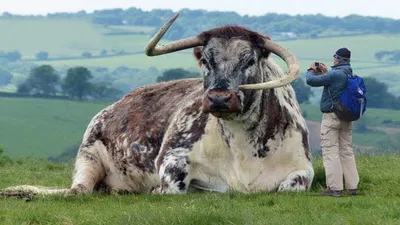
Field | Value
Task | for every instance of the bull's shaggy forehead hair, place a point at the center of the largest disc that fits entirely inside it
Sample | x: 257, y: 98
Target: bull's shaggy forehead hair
x: 228, y: 32
x: 231, y: 43
x: 234, y: 50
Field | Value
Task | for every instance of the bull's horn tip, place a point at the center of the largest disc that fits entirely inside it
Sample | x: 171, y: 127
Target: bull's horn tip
x: 175, y: 16
x: 147, y: 52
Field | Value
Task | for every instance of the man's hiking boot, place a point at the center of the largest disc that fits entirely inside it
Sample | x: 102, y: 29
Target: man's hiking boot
x: 329, y: 192
x: 352, y: 191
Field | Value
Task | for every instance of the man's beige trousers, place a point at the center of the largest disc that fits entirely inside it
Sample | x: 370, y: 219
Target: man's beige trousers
x: 337, y: 153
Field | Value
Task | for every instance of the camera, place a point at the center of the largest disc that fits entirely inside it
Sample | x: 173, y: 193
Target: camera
x: 318, y: 70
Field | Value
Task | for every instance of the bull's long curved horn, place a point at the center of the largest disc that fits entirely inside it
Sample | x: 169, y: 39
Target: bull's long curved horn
x: 153, y: 50
x: 292, y: 72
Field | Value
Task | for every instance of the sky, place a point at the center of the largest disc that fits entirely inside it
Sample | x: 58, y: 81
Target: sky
x: 381, y: 8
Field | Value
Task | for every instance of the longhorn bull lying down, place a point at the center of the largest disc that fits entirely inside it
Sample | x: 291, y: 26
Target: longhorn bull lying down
x: 238, y: 128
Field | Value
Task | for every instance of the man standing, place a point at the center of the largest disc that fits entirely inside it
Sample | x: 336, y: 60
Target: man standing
x: 336, y: 134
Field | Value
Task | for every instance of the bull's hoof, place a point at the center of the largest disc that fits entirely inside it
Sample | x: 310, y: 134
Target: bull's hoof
x: 79, y: 189
x: 156, y: 190
x: 297, y: 183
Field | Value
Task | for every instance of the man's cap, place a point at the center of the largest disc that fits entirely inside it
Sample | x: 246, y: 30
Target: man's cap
x: 343, y: 53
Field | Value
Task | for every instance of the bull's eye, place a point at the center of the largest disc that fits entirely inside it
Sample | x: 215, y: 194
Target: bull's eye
x: 203, y: 61
x: 251, y: 62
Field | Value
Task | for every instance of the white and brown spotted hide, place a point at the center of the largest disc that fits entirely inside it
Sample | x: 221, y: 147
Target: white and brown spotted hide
x: 158, y: 139
x: 204, y: 134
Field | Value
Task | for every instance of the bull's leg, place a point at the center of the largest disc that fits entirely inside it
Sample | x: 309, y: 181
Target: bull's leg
x: 299, y: 180
x: 88, y: 170
x: 174, y: 172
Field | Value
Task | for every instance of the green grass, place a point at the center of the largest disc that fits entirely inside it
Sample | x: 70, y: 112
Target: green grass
x: 68, y: 38
x: 378, y: 202
x: 43, y: 127
x: 64, y: 37
x: 72, y: 37
x: 58, y: 37
x: 363, y: 47
x: 141, y: 61
x: 110, y: 29
x: 308, y: 51
x: 374, y: 117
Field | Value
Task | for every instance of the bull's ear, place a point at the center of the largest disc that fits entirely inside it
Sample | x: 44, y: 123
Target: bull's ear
x: 266, y: 53
x: 197, y: 52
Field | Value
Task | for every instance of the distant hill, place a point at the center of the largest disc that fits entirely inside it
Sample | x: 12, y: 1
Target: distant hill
x: 47, y: 128
x: 195, y: 21
x: 111, y: 42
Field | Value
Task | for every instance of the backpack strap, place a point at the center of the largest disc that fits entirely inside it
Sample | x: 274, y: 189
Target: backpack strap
x: 329, y: 93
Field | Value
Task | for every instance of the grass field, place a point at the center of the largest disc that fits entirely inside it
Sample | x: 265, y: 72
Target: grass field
x: 141, y: 61
x: 72, y: 37
x: 63, y: 37
x: 374, y: 117
x: 42, y: 127
x: 378, y: 202
x: 363, y: 47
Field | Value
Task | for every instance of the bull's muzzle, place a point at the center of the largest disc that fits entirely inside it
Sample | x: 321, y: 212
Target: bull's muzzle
x: 221, y: 103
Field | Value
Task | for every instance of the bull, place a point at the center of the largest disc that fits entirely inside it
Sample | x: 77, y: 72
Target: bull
x: 238, y: 128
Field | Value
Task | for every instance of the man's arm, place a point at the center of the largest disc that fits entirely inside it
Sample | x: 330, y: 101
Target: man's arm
x: 319, y: 80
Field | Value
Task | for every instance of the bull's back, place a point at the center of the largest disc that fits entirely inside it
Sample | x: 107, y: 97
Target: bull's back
x: 132, y: 129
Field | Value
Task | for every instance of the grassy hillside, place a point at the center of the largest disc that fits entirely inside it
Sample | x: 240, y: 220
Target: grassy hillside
x: 141, y: 61
x: 72, y: 37
x: 42, y: 127
x: 378, y: 202
x: 64, y: 37
x: 374, y: 117
x: 363, y: 49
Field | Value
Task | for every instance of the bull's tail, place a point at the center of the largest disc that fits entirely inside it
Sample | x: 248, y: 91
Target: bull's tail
x: 28, y: 191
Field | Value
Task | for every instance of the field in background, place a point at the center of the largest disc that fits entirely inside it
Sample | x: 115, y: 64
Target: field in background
x: 72, y: 37
x: 141, y: 61
x: 46, y: 128
x: 43, y: 127
x: 64, y: 37
x: 378, y: 202
x: 308, y: 51
x: 49, y: 127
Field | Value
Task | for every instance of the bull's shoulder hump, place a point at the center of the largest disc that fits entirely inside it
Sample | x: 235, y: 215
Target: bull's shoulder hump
x: 149, y: 110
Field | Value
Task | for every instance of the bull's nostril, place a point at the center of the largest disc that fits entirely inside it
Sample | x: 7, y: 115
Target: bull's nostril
x: 221, y: 99
x: 226, y: 98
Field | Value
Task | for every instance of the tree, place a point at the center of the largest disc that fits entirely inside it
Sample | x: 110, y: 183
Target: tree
x: 13, y: 56
x: 23, y: 88
x: 76, y: 84
x: 103, y: 52
x: 378, y: 95
x: 42, y: 55
x: 380, y: 55
x: 5, y: 77
x: 86, y: 54
x: 42, y: 80
x: 303, y: 92
x: 175, y: 74
x: 104, y: 90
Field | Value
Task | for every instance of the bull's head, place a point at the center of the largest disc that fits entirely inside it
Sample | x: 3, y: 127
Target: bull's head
x: 231, y: 60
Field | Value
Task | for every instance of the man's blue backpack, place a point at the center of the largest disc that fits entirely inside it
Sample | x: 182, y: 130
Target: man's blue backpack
x: 353, y: 102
